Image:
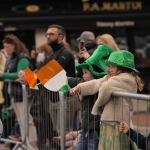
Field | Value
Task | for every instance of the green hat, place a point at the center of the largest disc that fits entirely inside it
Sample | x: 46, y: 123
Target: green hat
x: 122, y: 58
x: 96, y: 62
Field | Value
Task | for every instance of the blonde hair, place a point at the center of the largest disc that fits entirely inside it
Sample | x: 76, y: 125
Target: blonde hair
x: 108, y: 41
x: 44, y: 48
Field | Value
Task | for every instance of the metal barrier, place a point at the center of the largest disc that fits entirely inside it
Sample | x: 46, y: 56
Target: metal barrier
x: 140, y: 119
x: 8, y: 106
x: 8, y: 92
x: 143, y: 98
x: 131, y: 95
x: 42, y: 100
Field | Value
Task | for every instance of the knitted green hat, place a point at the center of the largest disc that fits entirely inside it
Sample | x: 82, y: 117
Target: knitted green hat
x: 122, y: 58
x: 96, y: 62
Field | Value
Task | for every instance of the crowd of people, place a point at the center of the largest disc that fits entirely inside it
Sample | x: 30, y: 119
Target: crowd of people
x: 94, y: 73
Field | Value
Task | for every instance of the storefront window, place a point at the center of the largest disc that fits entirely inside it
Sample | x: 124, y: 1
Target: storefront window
x: 142, y: 51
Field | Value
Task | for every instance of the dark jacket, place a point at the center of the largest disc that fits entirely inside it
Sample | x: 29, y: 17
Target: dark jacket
x: 90, y: 47
x: 12, y: 62
x: 89, y: 121
x: 65, y: 58
x: 11, y: 67
x: 141, y: 141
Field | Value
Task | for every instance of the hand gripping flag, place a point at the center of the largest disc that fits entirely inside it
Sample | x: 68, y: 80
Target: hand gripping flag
x: 52, y: 76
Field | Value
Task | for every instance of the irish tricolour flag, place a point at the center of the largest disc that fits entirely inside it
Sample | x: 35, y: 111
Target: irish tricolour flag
x: 52, y: 76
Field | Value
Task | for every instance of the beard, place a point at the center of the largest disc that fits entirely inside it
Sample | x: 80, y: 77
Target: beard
x: 53, y: 43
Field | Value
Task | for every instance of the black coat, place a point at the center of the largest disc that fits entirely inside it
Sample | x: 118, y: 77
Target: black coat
x: 141, y: 141
x: 65, y: 58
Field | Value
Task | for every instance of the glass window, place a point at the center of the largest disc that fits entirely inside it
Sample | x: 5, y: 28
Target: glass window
x: 142, y: 50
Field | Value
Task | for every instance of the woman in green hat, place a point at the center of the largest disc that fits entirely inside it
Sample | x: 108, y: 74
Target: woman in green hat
x: 122, y: 76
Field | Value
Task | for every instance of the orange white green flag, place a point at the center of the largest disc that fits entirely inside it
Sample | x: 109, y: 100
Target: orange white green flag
x: 31, y: 78
x: 53, y: 77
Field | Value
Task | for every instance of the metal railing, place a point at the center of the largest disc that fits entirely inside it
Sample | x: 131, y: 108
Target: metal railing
x: 62, y: 98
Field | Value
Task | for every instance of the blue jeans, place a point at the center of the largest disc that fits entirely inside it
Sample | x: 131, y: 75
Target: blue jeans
x: 88, y: 141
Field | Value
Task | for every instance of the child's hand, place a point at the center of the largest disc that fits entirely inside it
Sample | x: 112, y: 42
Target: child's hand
x: 123, y: 127
x: 74, y: 90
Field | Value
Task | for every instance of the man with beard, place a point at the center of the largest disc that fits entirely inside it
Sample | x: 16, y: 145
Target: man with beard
x: 60, y: 53
x: 55, y: 34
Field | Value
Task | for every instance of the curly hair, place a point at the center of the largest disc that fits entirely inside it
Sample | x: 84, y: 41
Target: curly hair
x: 139, y: 81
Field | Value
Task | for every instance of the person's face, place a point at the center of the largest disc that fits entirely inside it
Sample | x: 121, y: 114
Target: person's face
x: 33, y: 54
x: 112, y: 70
x: 100, y: 42
x: 87, y: 75
x: 53, y: 37
x: 10, y: 48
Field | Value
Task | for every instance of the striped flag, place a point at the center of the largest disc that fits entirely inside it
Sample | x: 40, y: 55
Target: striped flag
x: 53, y: 77
x: 31, y: 78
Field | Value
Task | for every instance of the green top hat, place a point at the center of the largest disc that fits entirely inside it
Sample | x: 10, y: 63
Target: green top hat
x: 96, y: 62
x: 122, y: 58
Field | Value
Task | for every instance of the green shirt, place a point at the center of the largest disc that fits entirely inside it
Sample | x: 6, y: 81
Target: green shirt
x: 22, y: 65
